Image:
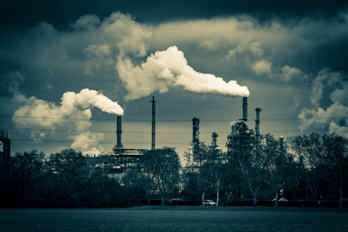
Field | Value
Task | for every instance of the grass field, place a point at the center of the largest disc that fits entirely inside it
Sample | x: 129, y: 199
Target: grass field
x: 175, y: 218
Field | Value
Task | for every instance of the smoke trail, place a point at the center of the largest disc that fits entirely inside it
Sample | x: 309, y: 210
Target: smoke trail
x: 39, y: 114
x: 87, y: 99
x: 168, y: 68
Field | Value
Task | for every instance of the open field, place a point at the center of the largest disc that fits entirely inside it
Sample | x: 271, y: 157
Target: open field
x: 175, y: 218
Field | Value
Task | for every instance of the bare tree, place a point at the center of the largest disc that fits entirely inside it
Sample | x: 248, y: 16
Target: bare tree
x: 280, y: 164
x: 160, y: 167
x: 140, y: 177
x: 197, y: 171
x: 68, y: 169
x: 253, y: 164
x: 336, y: 149
x: 312, y: 160
x: 27, y: 173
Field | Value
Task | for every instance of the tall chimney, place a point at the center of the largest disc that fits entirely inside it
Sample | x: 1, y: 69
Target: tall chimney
x: 119, y: 132
x: 195, y: 135
x: 214, y: 140
x: 257, y: 121
x: 245, y: 109
x: 153, y: 133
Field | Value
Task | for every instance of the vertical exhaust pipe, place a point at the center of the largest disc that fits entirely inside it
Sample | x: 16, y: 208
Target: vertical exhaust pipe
x: 245, y: 109
x: 195, y: 136
x: 119, y: 132
x: 257, y: 121
x: 153, y: 133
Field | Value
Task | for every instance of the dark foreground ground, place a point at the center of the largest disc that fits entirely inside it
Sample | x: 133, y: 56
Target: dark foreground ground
x: 175, y: 218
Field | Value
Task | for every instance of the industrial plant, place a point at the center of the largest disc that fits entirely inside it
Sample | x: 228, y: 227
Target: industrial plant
x: 241, y: 139
x: 208, y: 172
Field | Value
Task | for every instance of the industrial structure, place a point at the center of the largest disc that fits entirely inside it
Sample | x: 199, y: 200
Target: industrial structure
x: 195, y: 139
x: 257, y: 121
x: 214, y: 136
x: 119, y: 144
x: 153, y: 132
x: 240, y: 141
x: 5, y: 152
x: 125, y: 158
x: 122, y: 158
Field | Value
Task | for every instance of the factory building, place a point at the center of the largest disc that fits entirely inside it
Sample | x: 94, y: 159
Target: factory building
x: 122, y: 158
x: 241, y: 140
x: 5, y: 152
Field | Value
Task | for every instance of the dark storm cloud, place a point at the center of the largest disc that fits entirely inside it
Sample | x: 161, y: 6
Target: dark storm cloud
x: 61, y: 12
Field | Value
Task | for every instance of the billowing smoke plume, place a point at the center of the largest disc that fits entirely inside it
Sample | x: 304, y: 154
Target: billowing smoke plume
x: 168, y: 68
x: 330, y: 107
x: 74, y: 113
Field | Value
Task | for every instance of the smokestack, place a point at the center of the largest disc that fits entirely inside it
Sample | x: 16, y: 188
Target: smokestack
x: 153, y: 133
x: 195, y: 135
x: 245, y: 109
x: 119, y: 132
x: 214, y: 143
x: 257, y: 121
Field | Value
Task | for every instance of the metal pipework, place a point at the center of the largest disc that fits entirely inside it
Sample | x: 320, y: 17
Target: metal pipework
x: 195, y: 129
x: 119, y: 132
x: 214, y: 140
x: 153, y: 133
x: 245, y: 109
x: 195, y: 134
x: 257, y: 121
x: 233, y: 128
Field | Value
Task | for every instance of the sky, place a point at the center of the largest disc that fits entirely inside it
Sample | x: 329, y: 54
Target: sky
x: 68, y: 68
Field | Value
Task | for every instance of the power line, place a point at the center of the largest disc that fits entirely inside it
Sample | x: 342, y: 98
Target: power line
x: 135, y: 132
x: 237, y: 106
x: 95, y: 142
x: 166, y: 120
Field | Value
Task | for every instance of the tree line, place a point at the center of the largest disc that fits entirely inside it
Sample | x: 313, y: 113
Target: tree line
x: 310, y: 168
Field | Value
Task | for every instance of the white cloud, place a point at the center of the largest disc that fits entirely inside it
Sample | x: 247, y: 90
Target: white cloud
x: 87, y: 142
x: 246, y: 47
x: 324, y: 84
x: 293, y: 74
x: 262, y: 67
x: 86, y: 22
x: 99, y: 57
x: 130, y: 36
x: 328, y: 88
